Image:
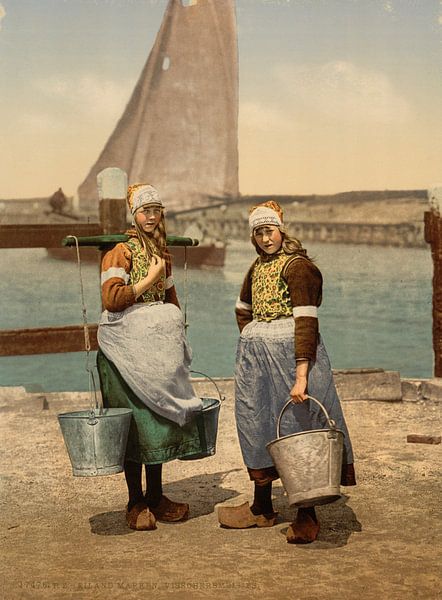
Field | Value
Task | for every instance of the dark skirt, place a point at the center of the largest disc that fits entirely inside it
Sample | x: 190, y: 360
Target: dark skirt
x: 152, y: 438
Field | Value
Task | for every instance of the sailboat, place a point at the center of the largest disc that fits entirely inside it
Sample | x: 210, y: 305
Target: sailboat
x: 179, y: 130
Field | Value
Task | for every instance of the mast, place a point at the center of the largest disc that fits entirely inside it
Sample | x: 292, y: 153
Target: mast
x: 179, y: 130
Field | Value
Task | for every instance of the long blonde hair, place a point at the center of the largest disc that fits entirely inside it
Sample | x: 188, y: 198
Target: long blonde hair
x: 154, y: 244
x: 290, y: 245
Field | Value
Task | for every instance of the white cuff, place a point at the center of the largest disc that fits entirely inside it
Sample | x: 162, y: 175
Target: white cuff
x: 240, y: 305
x: 114, y: 272
x: 305, y: 311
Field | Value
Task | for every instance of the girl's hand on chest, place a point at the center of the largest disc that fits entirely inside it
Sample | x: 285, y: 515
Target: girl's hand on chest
x: 157, y: 268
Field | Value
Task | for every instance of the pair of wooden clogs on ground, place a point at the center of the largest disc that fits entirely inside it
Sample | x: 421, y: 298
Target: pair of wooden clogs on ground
x: 303, y: 530
x: 142, y: 518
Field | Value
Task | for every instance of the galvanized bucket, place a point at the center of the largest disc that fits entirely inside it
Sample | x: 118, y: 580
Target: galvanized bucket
x: 96, y: 440
x: 207, y: 423
x: 309, y: 463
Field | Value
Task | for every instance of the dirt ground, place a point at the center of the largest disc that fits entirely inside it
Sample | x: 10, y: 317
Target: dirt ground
x: 65, y: 537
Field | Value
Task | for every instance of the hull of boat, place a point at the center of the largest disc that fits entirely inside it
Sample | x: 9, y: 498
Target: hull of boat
x: 205, y: 255
x: 209, y: 255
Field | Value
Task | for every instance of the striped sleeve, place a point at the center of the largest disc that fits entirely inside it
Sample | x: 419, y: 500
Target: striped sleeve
x: 243, y: 306
x: 304, y: 281
x: 116, y: 293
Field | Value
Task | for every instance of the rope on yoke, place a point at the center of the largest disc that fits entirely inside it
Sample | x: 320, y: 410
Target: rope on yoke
x: 93, y: 397
x: 186, y: 324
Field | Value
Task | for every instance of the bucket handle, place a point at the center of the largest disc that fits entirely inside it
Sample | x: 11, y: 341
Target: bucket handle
x: 96, y: 401
x: 221, y: 397
x: 331, y: 423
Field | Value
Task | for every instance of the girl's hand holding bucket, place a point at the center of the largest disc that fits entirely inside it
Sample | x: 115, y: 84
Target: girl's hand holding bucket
x: 298, y: 393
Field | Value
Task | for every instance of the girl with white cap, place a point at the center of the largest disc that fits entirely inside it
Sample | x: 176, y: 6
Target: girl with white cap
x: 144, y: 359
x: 280, y: 353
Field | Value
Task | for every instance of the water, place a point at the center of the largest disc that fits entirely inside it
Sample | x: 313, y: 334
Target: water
x: 376, y: 310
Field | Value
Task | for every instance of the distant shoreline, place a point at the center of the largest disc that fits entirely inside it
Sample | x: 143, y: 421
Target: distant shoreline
x: 383, y: 217
x: 351, y: 196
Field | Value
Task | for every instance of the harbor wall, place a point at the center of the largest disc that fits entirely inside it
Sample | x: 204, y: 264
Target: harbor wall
x: 223, y: 229
x: 376, y: 385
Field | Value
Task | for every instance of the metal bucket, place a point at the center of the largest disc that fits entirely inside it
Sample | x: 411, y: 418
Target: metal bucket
x: 96, y: 441
x: 207, y: 422
x: 309, y: 463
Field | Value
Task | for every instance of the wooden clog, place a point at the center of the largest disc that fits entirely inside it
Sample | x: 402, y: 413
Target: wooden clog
x: 170, y: 511
x: 241, y: 517
x: 305, y: 529
x: 140, y: 518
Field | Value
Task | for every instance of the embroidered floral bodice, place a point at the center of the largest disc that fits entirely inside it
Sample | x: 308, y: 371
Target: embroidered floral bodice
x: 270, y: 293
x: 139, y: 269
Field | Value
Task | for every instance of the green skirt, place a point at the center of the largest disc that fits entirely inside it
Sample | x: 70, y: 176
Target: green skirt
x: 152, y: 438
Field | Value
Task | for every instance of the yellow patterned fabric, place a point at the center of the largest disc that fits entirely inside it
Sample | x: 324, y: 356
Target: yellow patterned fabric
x: 270, y: 293
x: 139, y: 268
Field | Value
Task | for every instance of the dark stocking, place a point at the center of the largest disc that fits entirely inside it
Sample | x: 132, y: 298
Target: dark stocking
x: 262, y: 501
x: 154, y: 486
x: 310, y: 511
x: 132, y: 472
x: 305, y: 528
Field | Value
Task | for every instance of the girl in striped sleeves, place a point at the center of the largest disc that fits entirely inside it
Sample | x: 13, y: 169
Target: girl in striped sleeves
x: 280, y: 354
x: 144, y: 359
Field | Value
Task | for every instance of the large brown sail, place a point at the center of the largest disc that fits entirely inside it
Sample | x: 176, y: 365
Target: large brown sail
x: 179, y: 130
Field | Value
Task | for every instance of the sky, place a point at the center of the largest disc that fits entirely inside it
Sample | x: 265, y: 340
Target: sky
x: 335, y: 95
